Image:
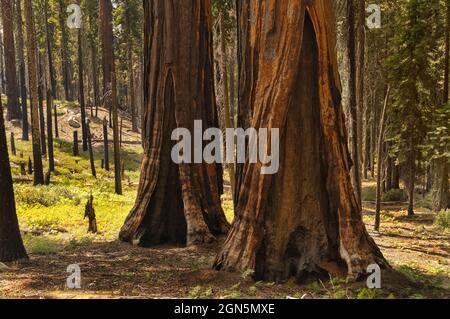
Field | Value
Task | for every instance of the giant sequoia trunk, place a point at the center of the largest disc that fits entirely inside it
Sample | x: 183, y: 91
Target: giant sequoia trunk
x: 11, y: 245
x: 176, y: 203
x: 305, y: 219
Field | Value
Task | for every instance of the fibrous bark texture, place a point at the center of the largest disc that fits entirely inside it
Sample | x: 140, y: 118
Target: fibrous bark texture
x: 176, y: 203
x: 305, y: 219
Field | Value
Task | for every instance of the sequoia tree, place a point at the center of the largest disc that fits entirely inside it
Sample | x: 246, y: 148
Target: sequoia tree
x: 305, y: 219
x: 176, y: 203
x: 11, y: 245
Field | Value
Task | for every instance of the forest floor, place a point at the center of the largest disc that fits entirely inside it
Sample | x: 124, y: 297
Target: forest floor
x: 55, y: 235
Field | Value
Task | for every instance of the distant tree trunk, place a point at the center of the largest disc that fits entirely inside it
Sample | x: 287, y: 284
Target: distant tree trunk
x: 441, y: 188
x: 65, y: 58
x: 176, y: 203
x: 51, y: 156
x: 115, y: 118
x: 81, y: 92
x: 41, y: 105
x: 130, y: 91
x: 353, y: 103
x: 12, y: 91
x: 396, y: 177
x: 412, y: 178
x: 55, y: 113
x: 380, y: 155
x: 13, y: 144
x: 388, y: 169
x: 226, y: 93
x: 49, y: 38
x: 91, y: 152
x: 360, y: 73
x: 95, y: 77
x: 75, y: 150
x: 305, y: 219
x: 33, y: 71
x: 106, y: 144
x: 11, y: 245
x: 106, y: 37
x: 21, y: 60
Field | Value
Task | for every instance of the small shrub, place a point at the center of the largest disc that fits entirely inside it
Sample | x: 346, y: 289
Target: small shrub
x: 442, y: 220
x: 41, y: 245
x: 369, y: 194
x: 394, y: 195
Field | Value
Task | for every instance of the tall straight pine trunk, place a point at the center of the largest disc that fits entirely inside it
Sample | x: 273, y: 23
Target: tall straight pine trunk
x: 33, y: 74
x: 12, y: 91
x: 305, y: 219
x: 176, y: 203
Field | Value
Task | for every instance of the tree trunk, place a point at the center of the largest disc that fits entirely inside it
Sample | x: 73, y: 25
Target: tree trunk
x: 105, y: 144
x: 55, y: 113
x: 91, y: 151
x: 115, y: 118
x: 11, y: 245
x: 65, y: 57
x: 130, y: 66
x: 380, y: 155
x: 75, y: 150
x: 81, y: 92
x: 32, y: 70
x: 49, y: 38
x: 305, y: 219
x: 360, y: 73
x: 41, y: 84
x: 12, y: 92
x: 51, y: 156
x: 21, y: 60
x: 226, y: 93
x: 441, y: 190
x: 176, y: 203
x: 353, y: 103
x: 412, y: 179
x: 106, y: 37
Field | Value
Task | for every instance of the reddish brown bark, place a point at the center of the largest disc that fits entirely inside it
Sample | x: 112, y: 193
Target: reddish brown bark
x: 305, y: 219
x: 176, y: 203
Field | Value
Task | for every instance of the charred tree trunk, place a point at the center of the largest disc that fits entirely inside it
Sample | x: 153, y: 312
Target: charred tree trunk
x: 21, y: 60
x: 115, y: 119
x: 91, y: 151
x: 32, y: 70
x: 81, y: 92
x: 106, y: 144
x: 12, y: 91
x: 55, y: 113
x: 75, y: 150
x: 51, y: 155
x: 11, y: 245
x: 305, y: 219
x: 176, y: 203
x: 41, y: 106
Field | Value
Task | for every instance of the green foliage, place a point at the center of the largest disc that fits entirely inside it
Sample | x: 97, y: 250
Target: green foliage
x: 394, y: 195
x: 42, y: 245
x: 443, y: 220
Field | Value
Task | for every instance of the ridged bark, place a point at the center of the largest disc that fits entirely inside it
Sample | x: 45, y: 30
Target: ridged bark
x: 176, y: 203
x: 305, y: 219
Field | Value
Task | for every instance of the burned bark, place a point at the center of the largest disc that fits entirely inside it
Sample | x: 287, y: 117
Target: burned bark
x: 176, y: 203
x: 11, y: 245
x: 305, y: 219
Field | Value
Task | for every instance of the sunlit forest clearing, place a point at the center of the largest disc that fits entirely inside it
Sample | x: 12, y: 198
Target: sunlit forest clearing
x: 55, y: 235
